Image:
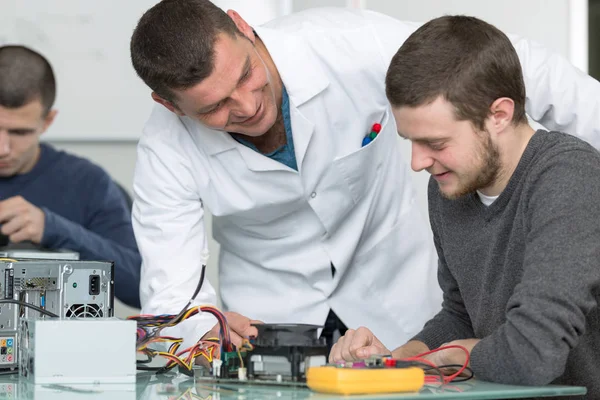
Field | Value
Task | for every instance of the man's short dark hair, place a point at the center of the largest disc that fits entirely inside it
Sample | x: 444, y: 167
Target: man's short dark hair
x: 172, y: 46
x: 467, y: 61
x: 25, y: 76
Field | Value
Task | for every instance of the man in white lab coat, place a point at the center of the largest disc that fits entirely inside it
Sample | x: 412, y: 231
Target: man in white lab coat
x: 266, y: 129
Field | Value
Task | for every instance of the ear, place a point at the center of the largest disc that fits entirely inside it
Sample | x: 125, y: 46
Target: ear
x: 48, y: 120
x: 170, y: 106
x: 501, y: 114
x: 242, y: 25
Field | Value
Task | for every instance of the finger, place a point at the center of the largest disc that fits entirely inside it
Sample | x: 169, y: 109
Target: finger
x: 24, y: 234
x: 434, y: 358
x: 367, y: 351
x: 9, y: 209
x: 12, y: 201
x: 236, y: 339
x: 362, y: 337
x: 253, y: 334
x: 335, y: 355
x: 449, y: 371
x: 13, y: 225
x: 213, y: 333
x: 345, y: 350
x: 240, y: 325
x: 236, y: 321
x: 247, y: 331
x: 243, y: 328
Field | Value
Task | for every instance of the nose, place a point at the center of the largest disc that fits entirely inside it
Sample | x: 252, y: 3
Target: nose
x: 420, y: 158
x: 4, y: 143
x: 244, y: 105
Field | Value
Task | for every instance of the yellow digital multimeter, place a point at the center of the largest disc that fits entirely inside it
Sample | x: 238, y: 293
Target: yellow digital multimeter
x: 340, y: 380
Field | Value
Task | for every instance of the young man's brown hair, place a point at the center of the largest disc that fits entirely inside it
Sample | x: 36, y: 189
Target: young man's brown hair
x: 467, y: 61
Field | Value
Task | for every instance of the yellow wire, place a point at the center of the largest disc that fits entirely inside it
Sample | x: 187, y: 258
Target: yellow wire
x: 206, y: 352
x: 207, y: 357
x: 184, y: 394
x: 8, y: 259
x: 246, y: 343
x: 172, y: 357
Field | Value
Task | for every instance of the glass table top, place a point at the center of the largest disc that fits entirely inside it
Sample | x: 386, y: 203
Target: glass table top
x: 178, y: 386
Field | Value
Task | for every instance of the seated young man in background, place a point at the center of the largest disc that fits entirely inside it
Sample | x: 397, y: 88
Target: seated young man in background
x: 50, y: 198
x: 514, y: 213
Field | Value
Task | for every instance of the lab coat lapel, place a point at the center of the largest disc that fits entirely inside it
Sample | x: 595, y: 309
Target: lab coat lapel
x: 302, y: 131
x: 258, y: 162
x: 302, y: 76
x: 222, y: 145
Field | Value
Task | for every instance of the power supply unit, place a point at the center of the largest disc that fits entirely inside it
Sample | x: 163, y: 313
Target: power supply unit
x: 77, y: 351
x: 66, y: 288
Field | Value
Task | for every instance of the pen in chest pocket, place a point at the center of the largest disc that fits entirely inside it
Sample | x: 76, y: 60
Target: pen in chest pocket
x: 371, y: 135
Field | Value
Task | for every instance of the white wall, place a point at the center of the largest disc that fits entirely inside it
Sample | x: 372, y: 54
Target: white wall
x: 254, y: 11
x: 546, y: 21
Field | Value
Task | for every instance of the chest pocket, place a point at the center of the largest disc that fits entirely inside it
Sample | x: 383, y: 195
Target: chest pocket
x: 360, y: 169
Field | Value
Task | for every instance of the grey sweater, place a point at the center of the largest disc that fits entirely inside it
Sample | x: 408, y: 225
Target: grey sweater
x: 523, y: 274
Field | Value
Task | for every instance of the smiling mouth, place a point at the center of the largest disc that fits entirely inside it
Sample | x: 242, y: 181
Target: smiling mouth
x: 441, y: 175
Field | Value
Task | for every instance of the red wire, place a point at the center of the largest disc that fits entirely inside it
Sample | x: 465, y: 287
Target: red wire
x: 421, y: 360
x: 428, y: 379
x: 447, y: 379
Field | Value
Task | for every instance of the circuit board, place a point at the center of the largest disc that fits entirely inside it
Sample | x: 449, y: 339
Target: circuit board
x: 280, y: 355
x: 249, y: 382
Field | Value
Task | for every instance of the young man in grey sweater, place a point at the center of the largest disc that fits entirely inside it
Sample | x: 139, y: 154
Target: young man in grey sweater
x: 514, y: 212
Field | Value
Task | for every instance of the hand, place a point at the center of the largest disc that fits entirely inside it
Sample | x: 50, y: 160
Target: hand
x: 21, y: 221
x: 240, y: 328
x: 410, y: 349
x: 452, y: 356
x: 357, y: 345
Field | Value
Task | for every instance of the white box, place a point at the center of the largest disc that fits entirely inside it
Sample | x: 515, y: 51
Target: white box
x: 77, y: 351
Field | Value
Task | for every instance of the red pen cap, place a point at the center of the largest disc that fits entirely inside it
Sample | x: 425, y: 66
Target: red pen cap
x: 376, y: 127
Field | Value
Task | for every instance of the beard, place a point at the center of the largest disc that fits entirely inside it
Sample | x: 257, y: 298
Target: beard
x: 487, y: 168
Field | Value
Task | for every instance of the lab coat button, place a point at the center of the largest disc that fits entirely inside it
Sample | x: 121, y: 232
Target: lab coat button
x: 313, y: 194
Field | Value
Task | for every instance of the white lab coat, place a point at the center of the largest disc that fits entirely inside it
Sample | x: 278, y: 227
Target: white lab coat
x: 280, y: 230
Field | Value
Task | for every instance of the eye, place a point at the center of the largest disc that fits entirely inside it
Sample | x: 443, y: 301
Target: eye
x: 20, y: 132
x: 436, y: 146
x: 246, y: 75
x: 215, y: 109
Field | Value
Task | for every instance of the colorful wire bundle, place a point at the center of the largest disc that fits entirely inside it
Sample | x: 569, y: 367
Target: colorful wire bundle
x: 150, y: 327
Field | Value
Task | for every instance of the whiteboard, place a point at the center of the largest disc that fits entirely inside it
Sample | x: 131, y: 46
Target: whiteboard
x: 99, y: 96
